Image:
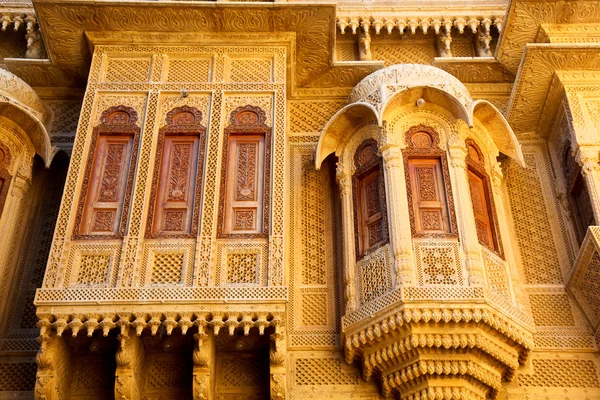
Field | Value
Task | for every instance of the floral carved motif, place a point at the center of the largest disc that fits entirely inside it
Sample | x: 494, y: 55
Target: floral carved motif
x: 249, y: 121
x: 424, y: 142
x: 5, y: 159
x: 182, y: 122
x: 118, y: 122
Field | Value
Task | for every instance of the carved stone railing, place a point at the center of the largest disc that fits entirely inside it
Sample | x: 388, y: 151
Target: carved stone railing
x: 443, y: 25
x: 438, y: 342
x: 584, y: 280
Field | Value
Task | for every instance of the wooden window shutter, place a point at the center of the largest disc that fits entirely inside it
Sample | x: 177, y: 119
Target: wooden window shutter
x: 176, y: 188
x: 109, y: 176
x: 245, y: 176
x: 428, y: 195
x: 480, y: 197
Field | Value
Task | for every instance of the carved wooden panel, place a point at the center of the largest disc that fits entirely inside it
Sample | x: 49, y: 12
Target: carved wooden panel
x: 370, y: 215
x: 243, y: 205
x: 176, y: 186
x: 481, y: 209
x: 108, y: 177
x: 431, y: 205
x: 4, y: 175
x: 429, y: 195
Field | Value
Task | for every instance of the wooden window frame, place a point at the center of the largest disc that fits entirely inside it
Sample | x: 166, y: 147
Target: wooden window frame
x: 246, y: 121
x: 114, y: 121
x: 574, y: 182
x: 415, y: 149
x: 181, y: 121
x: 4, y: 174
x: 476, y: 164
x: 364, y: 168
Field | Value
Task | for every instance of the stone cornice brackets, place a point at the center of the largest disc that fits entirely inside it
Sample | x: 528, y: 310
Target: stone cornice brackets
x: 384, y: 90
x: 21, y: 104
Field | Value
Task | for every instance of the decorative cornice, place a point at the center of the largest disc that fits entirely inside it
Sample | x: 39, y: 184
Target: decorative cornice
x: 475, y: 70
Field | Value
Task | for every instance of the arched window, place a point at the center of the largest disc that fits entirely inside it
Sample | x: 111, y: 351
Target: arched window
x: 244, y: 198
x: 108, y: 181
x: 481, y: 198
x: 176, y: 185
x: 369, y: 199
x: 579, y: 198
x: 431, y: 208
x: 4, y: 175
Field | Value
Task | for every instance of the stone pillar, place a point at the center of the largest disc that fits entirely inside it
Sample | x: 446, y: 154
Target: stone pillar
x: 464, y: 215
x: 11, y: 221
x: 130, y: 361
x: 203, y: 357
x: 277, y: 355
x: 397, y: 205
x: 498, y: 197
x: 349, y: 257
x: 587, y: 157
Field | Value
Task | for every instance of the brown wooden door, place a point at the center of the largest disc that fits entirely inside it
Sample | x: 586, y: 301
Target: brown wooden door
x: 108, y: 182
x: 245, y: 184
x: 177, y: 184
x: 370, y: 209
x: 481, y: 209
x: 428, y: 195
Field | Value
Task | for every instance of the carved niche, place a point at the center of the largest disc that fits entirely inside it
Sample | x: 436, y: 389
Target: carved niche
x: 368, y: 190
x: 482, y: 199
x: 245, y: 172
x: 431, y: 206
x: 108, y: 181
x: 5, y: 159
x: 177, y: 181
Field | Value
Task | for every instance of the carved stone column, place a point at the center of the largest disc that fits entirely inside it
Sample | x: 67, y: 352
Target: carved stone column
x: 130, y: 360
x: 349, y: 258
x: 397, y: 205
x: 464, y: 215
x: 497, y: 179
x: 203, y: 358
x: 51, y: 380
x: 587, y: 157
x: 277, y: 355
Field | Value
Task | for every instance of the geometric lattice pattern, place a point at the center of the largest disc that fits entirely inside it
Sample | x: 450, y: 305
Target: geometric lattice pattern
x: 346, y: 51
x: 242, y: 372
x: 551, y: 309
x: 374, y: 272
x: 404, y: 53
x: 562, y: 373
x: 127, y: 70
x: 463, y: 48
x: 168, y: 372
x: 167, y: 268
x: 314, y: 306
x: 311, y: 116
x: 15, y: 377
x: 243, y: 70
x: 93, y: 269
x: 590, y: 284
x: 438, y: 263
x: 496, y: 273
x: 323, y: 371
x: 188, y: 70
x: 242, y: 267
x: 534, y: 234
x: 314, y: 253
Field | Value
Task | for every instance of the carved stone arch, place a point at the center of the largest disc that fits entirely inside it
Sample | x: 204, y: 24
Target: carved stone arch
x: 5, y: 176
x: 246, y: 120
x: 115, y: 120
x: 474, y: 153
x: 180, y: 121
x: 21, y: 148
x: 438, y: 122
x: 354, y: 140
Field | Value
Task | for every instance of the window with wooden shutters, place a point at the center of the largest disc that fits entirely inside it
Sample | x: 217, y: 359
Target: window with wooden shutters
x: 4, y: 175
x: 369, y: 199
x: 481, y: 198
x: 579, y: 198
x: 243, y: 205
x: 176, y: 187
x: 106, y: 189
x: 431, y: 207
